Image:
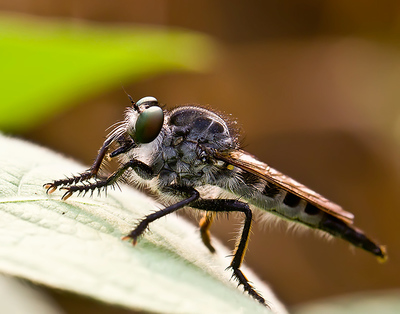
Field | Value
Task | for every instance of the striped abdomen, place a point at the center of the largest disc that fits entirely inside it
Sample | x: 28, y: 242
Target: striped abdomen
x: 271, y: 198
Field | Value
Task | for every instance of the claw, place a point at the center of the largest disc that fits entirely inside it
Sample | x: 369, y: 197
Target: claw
x: 50, y: 188
x: 128, y: 238
x: 66, y: 195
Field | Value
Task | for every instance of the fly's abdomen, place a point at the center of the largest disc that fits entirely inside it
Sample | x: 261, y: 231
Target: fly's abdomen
x: 298, y: 209
x: 270, y: 198
x: 285, y: 204
x: 294, y: 208
x: 355, y: 236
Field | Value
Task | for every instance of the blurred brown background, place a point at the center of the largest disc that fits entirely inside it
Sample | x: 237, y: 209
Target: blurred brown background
x: 315, y: 87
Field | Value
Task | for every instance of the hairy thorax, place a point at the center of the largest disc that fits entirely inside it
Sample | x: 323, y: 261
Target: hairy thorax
x: 190, y: 134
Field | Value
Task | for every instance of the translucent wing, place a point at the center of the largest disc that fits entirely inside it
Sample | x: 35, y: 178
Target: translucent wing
x: 248, y: 162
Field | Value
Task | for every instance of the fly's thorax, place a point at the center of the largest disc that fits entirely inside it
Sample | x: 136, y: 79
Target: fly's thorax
x: 190, y: 134
x: 201, y: 126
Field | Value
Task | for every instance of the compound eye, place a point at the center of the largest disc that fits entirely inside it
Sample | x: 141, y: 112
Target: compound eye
x: 149, y: 123
x: 148, y: 101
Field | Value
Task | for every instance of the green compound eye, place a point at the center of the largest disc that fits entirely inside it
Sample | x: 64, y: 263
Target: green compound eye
x: 149, y: 124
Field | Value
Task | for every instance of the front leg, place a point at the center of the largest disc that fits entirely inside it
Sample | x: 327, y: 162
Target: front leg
x: 84, y: 176
x: 139, y: 167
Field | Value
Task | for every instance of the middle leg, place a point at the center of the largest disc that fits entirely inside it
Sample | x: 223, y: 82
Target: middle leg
x: 205, y: 224
x: 190, y: 195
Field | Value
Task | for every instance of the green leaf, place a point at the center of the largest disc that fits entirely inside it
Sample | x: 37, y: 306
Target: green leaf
x: 23, y: 298
x: 76, y: 245
x: 48, y: 64
x: 382, y: 302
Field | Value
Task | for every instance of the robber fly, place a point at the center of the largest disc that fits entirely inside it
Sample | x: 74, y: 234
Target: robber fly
x: 182, y: 154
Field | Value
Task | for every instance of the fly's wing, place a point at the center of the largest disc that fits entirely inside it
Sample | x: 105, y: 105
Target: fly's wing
x: 249, y: 163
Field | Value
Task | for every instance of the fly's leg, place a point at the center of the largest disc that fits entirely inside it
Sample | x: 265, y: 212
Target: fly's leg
x: 214, y: 206
x: 84, y: 176
x: 191, y: 195
x: 92, y: 172
x: 230, y: 205
x: 139, y: 167
x: 205, y: 224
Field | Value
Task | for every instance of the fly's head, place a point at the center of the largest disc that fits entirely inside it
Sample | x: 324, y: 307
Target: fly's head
x: 142, y: 125
x: 144, y: 120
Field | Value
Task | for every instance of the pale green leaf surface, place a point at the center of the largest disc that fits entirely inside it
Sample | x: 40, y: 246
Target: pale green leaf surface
x: 18, y: 297
x: 373, y: 302
x: 48, y: 64
x: 75, y: 245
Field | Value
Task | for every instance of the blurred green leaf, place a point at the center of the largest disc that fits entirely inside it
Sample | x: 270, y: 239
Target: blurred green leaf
x: 76, y: 245
x: 46, y: 64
